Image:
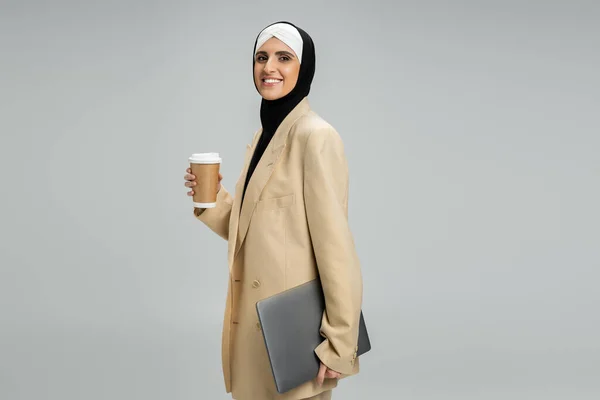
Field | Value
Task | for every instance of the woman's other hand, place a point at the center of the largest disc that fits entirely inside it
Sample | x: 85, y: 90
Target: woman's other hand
x: 191, y: 181
x: 325, y: 372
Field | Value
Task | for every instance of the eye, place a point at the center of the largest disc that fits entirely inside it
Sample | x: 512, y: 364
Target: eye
x: 261, y: 58
x: 284, y: 58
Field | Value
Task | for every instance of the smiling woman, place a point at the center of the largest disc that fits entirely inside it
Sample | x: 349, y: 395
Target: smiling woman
x: 287, y: 224
x: 276, y: 69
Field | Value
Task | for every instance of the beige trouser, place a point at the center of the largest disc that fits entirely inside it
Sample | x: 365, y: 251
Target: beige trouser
x: 326, y: 395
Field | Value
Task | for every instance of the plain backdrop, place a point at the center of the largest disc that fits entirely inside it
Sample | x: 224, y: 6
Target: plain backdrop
x: 471, y: 130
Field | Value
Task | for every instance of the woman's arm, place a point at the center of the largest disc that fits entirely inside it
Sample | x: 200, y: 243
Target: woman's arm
x: 326, y: 201
x: 217, y: 218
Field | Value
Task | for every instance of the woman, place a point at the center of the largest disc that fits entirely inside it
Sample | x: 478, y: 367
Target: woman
x: 287, y: 224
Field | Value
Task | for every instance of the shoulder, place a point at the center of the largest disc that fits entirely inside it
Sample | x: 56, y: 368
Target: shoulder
x: 314, y: 131
x: 311, y: 121
x: 318, y: 140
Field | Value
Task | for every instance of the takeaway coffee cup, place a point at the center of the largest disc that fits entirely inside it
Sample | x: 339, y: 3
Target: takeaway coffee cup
x: 205, y: 167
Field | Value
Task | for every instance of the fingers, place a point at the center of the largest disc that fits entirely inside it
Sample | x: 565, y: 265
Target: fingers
x: 191, y: 181
x: 332, y: 374
x: 325, y: 372
x: 321, y: 374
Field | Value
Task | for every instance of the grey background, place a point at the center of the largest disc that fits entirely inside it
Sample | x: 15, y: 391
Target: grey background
x: 471, y: 130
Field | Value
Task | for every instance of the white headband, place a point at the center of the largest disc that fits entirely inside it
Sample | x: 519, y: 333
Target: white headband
x: 284, y: 32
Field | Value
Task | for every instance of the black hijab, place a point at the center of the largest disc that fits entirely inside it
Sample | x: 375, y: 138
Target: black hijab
x: 273, y: 112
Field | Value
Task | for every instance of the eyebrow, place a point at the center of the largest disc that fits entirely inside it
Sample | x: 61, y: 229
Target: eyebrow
x: 278, y: 53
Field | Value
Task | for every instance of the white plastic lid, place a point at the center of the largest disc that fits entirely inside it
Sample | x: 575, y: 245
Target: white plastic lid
x: 205, y: 158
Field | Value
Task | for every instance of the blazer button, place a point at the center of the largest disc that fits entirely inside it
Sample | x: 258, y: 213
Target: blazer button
x: 258, y: 326
x: 256, y: 284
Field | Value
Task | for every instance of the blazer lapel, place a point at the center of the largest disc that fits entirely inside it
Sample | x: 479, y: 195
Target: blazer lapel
x: 236, y: 206
x: 265, y: 167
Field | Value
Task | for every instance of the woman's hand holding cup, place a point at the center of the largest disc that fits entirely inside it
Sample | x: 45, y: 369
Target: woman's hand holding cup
x: 204, y: 178
x: 191, y: 181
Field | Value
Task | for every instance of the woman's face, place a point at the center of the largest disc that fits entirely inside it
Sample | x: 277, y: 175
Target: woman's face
x: 276, y: 69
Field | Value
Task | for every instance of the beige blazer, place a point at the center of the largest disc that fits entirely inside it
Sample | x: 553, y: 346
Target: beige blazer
x: 291, y: 228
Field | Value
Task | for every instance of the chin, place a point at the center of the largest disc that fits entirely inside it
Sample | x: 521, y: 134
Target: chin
x: 271, y: 96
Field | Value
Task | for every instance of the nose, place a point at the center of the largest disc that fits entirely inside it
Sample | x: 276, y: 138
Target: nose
x: 269, y: 65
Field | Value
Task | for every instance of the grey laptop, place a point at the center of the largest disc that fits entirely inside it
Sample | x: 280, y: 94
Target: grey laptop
x: 290, y: 323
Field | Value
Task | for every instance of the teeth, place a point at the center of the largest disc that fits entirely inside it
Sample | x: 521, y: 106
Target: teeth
x: 272, y: 80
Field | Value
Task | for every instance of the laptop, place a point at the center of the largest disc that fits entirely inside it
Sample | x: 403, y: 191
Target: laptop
x: 291, y: 322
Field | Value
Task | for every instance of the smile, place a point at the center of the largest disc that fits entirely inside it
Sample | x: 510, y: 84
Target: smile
x: 271, y: 82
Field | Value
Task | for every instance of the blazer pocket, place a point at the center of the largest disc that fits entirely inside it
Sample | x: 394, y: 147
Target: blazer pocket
x: 276, y: 202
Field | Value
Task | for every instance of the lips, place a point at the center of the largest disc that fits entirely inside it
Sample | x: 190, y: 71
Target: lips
x: 271, y: 82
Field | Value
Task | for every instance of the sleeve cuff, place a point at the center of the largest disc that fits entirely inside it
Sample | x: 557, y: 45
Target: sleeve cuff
x: 347, y: 365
